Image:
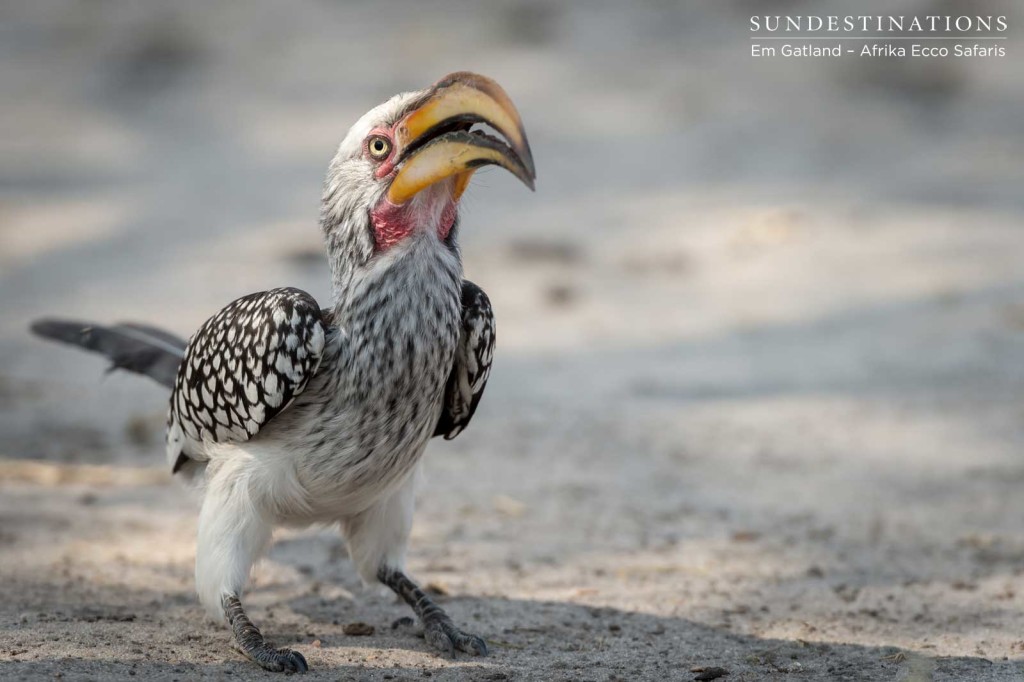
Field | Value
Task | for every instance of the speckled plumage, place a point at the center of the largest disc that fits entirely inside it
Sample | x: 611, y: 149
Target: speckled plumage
x: 243, y: 366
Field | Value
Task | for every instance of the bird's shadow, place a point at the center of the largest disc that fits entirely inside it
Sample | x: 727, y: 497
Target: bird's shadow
x: 109, y: 630
x: 572, y: 641
x: 528, y: 640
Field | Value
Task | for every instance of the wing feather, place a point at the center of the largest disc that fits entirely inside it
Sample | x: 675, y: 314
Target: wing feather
x: 472, y: 366
x: 246, y: 364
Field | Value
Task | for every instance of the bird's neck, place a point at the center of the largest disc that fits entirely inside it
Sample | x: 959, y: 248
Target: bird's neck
x: 397, y: 277
x: 414, y: 244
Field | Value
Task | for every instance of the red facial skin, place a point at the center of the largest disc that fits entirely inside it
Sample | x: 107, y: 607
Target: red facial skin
x: 393, y: 223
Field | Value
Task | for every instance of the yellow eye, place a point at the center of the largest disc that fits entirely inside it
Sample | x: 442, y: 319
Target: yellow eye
x: 379, y: 147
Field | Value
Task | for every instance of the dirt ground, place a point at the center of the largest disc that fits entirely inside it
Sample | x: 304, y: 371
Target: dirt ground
x: 757, y: 402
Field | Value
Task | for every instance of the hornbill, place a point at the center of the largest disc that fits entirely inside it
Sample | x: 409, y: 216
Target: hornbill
x: 288, y: 414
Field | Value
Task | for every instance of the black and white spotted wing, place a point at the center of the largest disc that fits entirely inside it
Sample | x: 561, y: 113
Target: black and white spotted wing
x: 472, y: 367
x: 243, y: 366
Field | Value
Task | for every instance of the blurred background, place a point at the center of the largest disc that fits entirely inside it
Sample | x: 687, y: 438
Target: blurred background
x: 760, y: 351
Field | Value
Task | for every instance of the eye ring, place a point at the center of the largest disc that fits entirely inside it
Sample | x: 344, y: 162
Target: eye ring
x: 379, y: 147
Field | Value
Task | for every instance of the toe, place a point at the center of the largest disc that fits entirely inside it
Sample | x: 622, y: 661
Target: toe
x: 474, y: 645
x: 271, y: 666
x: 282, y: 661
x: 438, y: 639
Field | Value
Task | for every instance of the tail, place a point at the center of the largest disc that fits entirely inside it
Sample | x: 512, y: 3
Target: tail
x: 134, y: 347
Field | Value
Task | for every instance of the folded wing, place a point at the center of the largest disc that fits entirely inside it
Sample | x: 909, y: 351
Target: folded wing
x: 472, y: 366
x: 244, y: 365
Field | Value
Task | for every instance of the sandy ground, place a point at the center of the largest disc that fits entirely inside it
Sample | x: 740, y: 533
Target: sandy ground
x: 757, y: 402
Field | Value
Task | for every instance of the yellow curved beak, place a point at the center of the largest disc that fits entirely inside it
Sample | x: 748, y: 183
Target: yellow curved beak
x: 435, y: 142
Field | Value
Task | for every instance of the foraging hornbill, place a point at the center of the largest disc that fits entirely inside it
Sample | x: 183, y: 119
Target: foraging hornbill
x: 286, y: 413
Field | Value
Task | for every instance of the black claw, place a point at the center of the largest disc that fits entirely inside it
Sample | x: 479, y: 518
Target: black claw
x: 403, y: 622
x: 298, y: 662
x: 470, y: 644
x: 478, y: 646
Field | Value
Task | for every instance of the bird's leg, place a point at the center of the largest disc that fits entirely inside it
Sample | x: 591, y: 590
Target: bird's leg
x: 232, y: 533
x: 376, y: 541
x: 250, y: 642
x: 438, y: 629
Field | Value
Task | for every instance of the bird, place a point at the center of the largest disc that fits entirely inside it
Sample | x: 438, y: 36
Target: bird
x: 286, y: 413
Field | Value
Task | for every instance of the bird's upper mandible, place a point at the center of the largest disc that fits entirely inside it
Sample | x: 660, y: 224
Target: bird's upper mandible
x: 435, y: 140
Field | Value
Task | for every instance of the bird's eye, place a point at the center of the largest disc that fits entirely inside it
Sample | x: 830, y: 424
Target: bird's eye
x: 379, y: 147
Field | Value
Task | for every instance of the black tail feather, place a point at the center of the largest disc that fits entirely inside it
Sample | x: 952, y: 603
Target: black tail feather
x: 134, y: 347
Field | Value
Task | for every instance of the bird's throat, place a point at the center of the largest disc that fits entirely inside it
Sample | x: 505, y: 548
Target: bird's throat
x: 392, y: 223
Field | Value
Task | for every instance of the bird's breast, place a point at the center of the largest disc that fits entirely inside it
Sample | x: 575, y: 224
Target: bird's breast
x: 376, y: 401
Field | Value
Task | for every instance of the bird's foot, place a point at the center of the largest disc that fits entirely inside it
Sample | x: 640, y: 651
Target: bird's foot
x: 249, y: 641
x: 441, y: 634
x: 276, y: 660
x: 438, y: 629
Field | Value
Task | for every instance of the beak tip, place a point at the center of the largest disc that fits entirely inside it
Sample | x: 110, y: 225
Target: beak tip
x: 529, y: 178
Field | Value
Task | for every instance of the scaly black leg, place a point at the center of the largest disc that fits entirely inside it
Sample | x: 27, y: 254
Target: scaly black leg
x: 250, y: 642
x: 438, y: 629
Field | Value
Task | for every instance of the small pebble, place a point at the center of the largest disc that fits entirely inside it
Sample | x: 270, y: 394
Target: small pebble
x: 358, y: 629
x: 709, y: 673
